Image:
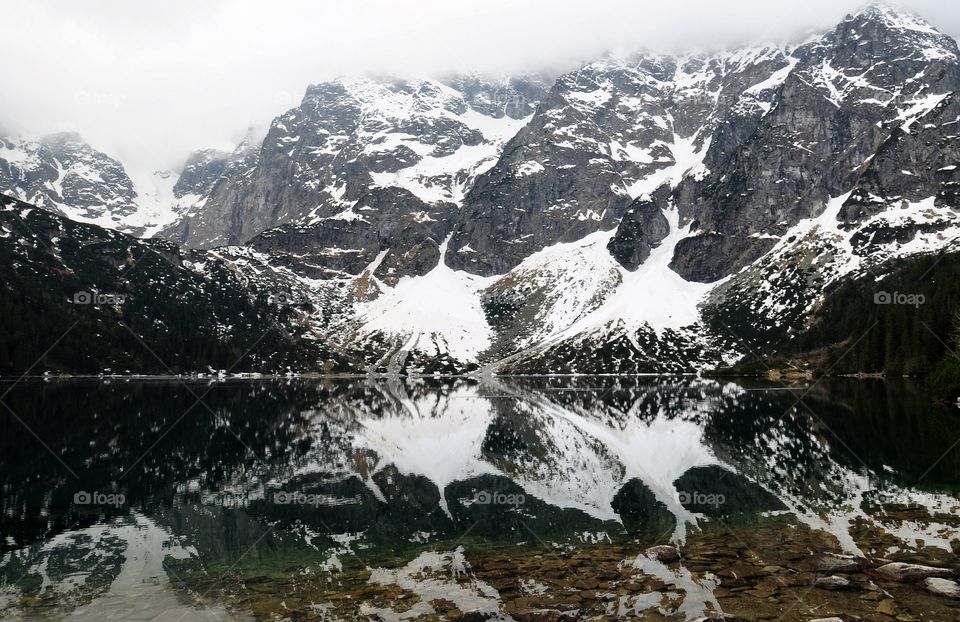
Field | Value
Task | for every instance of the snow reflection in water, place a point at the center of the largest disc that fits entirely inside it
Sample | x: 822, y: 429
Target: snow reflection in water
x: 375, y: 473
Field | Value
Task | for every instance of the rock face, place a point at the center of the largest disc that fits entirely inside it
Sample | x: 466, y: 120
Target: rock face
x: 641, y: 229
x: 64, y: 174
x: 389, y: 230
x: 845, y: 97
x: 201, y: 171
x: 200, y: 176
x: 610, y: 132
x: 916, y: 161
x: 350, y: 137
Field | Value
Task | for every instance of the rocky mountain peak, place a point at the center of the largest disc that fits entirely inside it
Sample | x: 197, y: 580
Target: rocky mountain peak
x: 200, y: 172
x: 841, y: 98
x: 353, y: 137
x: 63, y: 173
x: 881, y: 29
x: 896, y: 19
x: 605, y: 134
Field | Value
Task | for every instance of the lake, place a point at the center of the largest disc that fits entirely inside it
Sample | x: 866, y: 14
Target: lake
x: 491, y: 499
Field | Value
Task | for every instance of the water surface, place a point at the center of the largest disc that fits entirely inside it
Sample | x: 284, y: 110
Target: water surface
x: 462, y: 499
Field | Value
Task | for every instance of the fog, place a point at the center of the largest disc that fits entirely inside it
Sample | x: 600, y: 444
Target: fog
x: 150, y: 82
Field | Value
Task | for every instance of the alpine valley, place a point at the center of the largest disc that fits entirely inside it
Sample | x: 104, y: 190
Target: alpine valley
x: 643, y: 213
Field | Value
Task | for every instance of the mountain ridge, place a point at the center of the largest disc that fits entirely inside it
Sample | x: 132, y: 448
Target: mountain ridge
x: 622, y: 219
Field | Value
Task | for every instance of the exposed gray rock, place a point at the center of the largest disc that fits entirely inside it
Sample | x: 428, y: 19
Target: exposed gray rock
x: 515, y: 97
x: 349, y: 137
x: 919, y: 160
x: 641, y: 230
x: 391, y: 221
x: 200, y: 172
x: 605, y: 134
x: 833, y: 583
x: 832, y: 563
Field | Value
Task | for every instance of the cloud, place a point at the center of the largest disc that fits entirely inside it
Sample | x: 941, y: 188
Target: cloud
x: 149, y: 82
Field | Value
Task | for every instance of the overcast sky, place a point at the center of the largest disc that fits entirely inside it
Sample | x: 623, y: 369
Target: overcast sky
x: 148, y: 82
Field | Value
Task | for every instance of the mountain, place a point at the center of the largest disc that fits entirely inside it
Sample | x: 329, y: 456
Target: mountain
x: 758, y: 235
x: 354, y: 140
x: 875, y: 75
x: 643, y: 213
x: 603, y: 136
x: 107, y: 302
x: 62, y: 173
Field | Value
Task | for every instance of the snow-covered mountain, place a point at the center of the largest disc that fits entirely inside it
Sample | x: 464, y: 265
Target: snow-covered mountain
x: 419, y: 143
x: 62, y: 173
x: 643, y: 213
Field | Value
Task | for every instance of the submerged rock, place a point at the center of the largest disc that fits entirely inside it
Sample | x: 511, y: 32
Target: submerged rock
x: 542, y: 615
x: 887, y: 607
x: 942, y: 587
x: 663, y: 553
x: 832, y: 563
x: 833, y: 583
x: 908, y: 573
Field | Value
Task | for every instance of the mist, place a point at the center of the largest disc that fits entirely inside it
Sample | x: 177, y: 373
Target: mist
x: 149, y: 82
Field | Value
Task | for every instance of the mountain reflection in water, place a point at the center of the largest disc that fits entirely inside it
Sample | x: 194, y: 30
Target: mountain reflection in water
x: 400, y: 479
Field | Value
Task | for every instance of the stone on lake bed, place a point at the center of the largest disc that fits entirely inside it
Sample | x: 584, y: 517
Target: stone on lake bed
x: 664, y: 553
x: 833, y: 583
x: 828, y: 620
x: 542, y: 615
x: 887, y: 607
x: 908, y: 573
x: 830, y: 562
x: 942, y: 587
